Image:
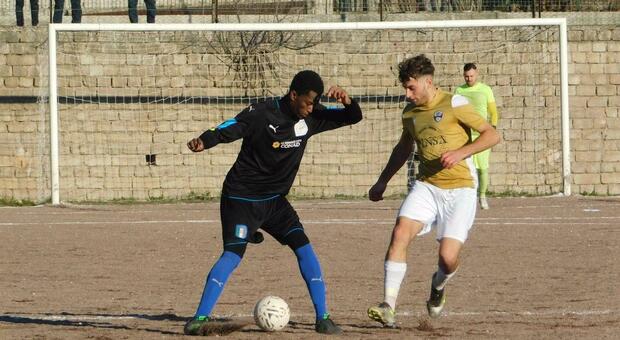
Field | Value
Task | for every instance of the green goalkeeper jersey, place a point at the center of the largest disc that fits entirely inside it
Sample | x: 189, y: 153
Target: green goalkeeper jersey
x: 481, y: 97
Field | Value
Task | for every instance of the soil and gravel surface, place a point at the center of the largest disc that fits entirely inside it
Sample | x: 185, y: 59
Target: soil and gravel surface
x: 533, y: 268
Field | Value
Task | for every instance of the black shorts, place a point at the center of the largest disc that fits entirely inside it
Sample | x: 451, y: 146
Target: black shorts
x: 241, y: 219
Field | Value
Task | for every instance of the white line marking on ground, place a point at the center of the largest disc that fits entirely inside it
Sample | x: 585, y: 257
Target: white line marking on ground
x: 108, y: 222
x: 592, y: 220
x: 299, y: 206
x: 550, y: 223
x: 521, y: 313
x: 560, y: 218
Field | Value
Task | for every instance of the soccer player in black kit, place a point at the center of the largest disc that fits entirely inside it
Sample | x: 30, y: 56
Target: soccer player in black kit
x: 274, y: 136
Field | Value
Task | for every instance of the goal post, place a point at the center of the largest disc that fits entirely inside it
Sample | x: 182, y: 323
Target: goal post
x: 227, y: 87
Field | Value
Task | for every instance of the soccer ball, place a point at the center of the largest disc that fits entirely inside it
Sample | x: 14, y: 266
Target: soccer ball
x: 271, y: 313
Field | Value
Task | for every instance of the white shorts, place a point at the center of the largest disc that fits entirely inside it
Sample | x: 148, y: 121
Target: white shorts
x: 451, y: 211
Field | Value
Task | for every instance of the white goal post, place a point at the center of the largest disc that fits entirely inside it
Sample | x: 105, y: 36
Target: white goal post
x: 559, y: 23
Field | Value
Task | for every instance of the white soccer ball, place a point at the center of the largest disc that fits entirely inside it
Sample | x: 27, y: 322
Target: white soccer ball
x: 271, y: 313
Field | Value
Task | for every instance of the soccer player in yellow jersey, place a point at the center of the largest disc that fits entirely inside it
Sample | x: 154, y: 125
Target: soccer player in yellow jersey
x: 444, y: 194
x: 481, y: 97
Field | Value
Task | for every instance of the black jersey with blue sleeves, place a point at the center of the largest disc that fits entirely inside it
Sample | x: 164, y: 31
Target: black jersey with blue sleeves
x: 274, y: 140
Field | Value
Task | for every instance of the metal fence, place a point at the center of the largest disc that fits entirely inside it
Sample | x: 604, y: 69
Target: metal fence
x: 400, y: 6
x: 98, y: 7
x: 578, y: 12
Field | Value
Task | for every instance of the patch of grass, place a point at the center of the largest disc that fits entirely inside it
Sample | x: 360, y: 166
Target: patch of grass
x: 512, y: 193
x: 349, y: 197
x: 194, y: 197
x: 345, y: 197
x: 191, y: 197
x: 591, y: 193
x: 392, y: 197
x: 206, y: 196
x: 10, y: 201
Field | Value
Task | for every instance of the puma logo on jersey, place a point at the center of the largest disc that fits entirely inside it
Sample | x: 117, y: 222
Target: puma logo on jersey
x: 221, y: 284
x: 273, y: 127
x: 251, y: 108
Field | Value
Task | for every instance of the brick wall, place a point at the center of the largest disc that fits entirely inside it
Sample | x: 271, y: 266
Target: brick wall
x: 103, y: 147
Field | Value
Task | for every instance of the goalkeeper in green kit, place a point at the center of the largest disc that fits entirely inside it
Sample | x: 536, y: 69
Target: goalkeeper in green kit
x: 481, y: 97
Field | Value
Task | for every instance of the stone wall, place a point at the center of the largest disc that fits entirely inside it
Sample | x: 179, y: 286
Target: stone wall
x: 103, y: 146
x: 594, y: 88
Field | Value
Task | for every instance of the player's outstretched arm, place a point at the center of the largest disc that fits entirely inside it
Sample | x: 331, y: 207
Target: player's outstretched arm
x: 399, y: 156
x: 351, y: 114
x: 228, y: 131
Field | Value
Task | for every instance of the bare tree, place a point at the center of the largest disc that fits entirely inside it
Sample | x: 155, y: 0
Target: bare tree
x: 252, y: 57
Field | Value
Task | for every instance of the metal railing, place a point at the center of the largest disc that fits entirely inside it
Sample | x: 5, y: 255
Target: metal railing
x: 402, y: 6
x: 383, y: 8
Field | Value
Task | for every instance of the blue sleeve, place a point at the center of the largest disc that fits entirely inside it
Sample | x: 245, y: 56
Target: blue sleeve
x: 230, y: 130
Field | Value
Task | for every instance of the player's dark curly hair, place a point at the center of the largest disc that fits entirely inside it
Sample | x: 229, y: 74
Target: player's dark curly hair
x: 306, y: 81
x: 415, y: 67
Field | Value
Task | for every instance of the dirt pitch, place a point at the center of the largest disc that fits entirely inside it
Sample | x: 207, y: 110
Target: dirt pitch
x: 533, y: 268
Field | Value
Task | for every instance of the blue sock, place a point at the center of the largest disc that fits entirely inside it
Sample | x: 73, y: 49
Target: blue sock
x: 311, y: 272
x: 215, y: 282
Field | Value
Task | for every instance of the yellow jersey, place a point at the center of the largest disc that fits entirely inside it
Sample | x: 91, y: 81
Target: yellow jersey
x: 443, y: 124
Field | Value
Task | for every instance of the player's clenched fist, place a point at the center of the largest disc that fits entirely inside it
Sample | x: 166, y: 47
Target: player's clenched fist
x: 196, y: 145
x: 339, y: 94
x: 376, y: 192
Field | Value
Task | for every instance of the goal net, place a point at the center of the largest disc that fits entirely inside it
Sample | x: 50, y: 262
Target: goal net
x: 127, y: 98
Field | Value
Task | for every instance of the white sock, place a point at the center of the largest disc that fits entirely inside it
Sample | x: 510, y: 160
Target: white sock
x: 394, y: 275
x: 440, y: 278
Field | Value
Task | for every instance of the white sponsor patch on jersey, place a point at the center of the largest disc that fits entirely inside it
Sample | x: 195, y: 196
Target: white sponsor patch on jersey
x: 301, y: 128
x: 290, y: 144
